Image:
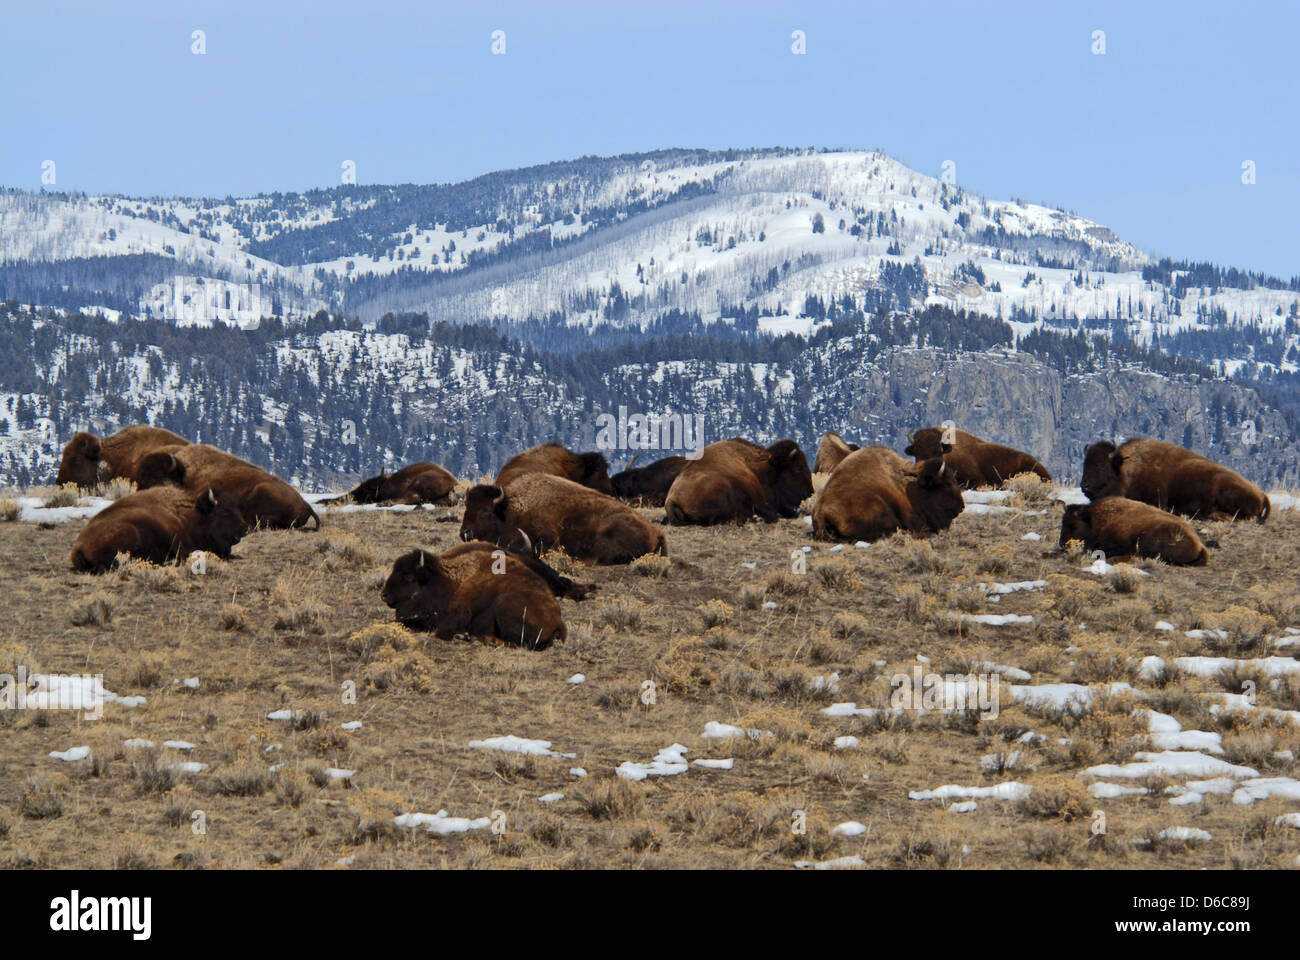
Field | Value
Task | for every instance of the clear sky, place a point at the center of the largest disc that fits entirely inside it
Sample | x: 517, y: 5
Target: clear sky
x: 1148, y: 138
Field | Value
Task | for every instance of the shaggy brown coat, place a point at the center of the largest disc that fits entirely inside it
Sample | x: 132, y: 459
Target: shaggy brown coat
x: 88, y: 460
x: 539, y: 512
x: 874, y: 492
x: 974, y: 462
x: 589, y: 469
x: 1123, y: 528
x: 159, y: 525
x: 1172, y: 478
x: 736, y: 479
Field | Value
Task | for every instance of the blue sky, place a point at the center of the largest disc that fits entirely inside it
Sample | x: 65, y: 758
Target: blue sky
x: 1148, y: 138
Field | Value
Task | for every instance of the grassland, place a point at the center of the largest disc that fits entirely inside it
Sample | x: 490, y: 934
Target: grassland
x: 295, y: 621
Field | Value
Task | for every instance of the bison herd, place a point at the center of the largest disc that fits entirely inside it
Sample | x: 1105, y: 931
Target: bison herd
x: 195, y: 497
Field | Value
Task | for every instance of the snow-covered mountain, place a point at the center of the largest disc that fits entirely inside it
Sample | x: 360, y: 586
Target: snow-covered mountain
x: 596, y: 265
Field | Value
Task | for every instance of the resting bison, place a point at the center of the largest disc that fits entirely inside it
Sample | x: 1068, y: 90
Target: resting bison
x: 648, y: 484
x: 476, y: 588
x: 974, y: 462
x: 589, y: 469
x: 1122, y: 528
x: 88, y: 460
x: 736, y: 479
x: 417, y: 483
x: 875, y: 492
x: 831, y: 451
x: 539, y: 511
x: 159, y: 525
x: 264, y: 500
x: 1169, y: 477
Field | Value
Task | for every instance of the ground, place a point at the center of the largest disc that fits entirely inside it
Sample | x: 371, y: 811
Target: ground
x: 666, y: 647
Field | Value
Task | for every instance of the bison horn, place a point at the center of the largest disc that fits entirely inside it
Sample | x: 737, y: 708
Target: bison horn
x: 528, y: 544
x: 943, y: 465
x: 632, y: 463
x: 421, y: 563
x: 212, y: 497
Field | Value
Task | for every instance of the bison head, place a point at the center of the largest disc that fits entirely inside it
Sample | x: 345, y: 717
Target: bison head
x: 82, y: 461
x: 1076, y: 523
x: 487, y: 510
x: 158, y: 468
x: 594, y: 473
x: 791, y: 478
x: 940, y: 500
x: 629, y: 482
x: 418, y: 590
x: 927, y: 443
x: 1101, y: 471
x: 373, y: 490
x: 218, y: 523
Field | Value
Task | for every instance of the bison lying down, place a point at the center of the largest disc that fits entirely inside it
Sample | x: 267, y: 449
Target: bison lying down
x: 159, y: 525
x: 974, y: 462
x: 831, y: 451
x: 736, y: 479
x: 539, y: 511
x: 263, y: 499
x: 648, y: 484
x: 875, y: 492
x: 589, y: 469
x: 479, y: 589
x: 1123, y: 528
x: 88, y: 460
x: 417, y: 483
x: 1170, y: 477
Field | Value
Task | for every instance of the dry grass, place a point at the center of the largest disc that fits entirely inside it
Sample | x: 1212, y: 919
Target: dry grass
x: 667, y: 646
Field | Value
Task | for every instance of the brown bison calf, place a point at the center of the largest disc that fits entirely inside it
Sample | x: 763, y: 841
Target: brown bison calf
x: 159, y: 525
x: 540, y: 511
x: 416, y: 483
x: 874, y: 492
x: 88, y: 460
x: 589, y: 469
x: 265, y: 500
x: 831, y: 451
x: 974, y: 462
x: 1123, y: 528
x: 648, y: 484
x: 1172, y: 478
x: 477, y: 589
x: 736, y: 479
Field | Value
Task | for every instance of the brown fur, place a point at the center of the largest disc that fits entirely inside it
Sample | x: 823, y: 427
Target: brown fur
x: 1172, y: 478
x: 459, y: 592
x: 264, y: 499
x: 736, y: 479
x: 416, y: 483
x: 1123, y: 528
x: 159, y: 525
x: 648, y: 485
x: 831, y: 451
x: 554, y: 512
x: 974, y: 462
x: 589, y: 469
x: 875, y: 492
x: 88, y: 460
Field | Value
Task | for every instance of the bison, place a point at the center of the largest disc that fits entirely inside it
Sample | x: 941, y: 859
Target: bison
x: 88, y: 460
x: 1122, y: 528
x: 539, y: 512
x: 159, y: 525
x: 265, y: 500
x: 478, y: 589
x: 416, y: 483
x: 648, y: 484
x: 736, y: 479
x: 589, y: 469
x: 831, y: 451
x: 974, y: 462
x: 1172, y: 478
x: 875, y: 492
